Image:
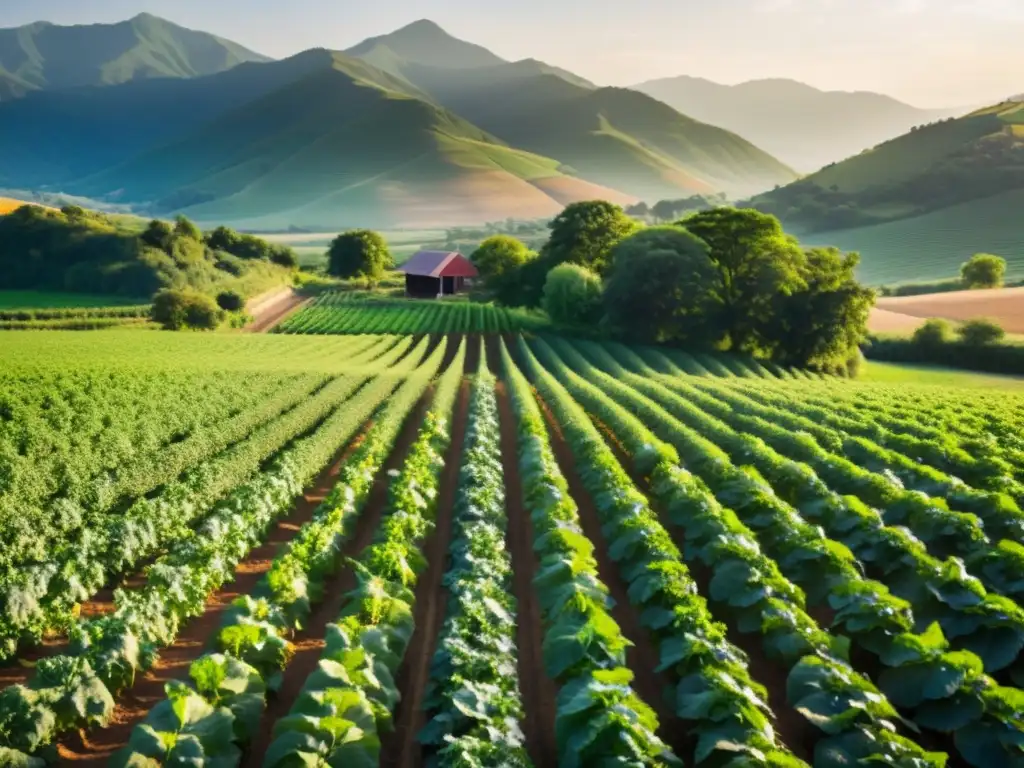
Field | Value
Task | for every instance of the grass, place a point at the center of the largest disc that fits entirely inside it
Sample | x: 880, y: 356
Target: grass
x: 894, y: 373
x: 933, y: 246
x: 51, y: 300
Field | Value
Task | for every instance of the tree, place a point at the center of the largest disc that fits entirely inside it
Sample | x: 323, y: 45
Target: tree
x: 933, y: 334
x: 499, y: 255
x: 176, y: 309
x: 184, y: 227
x: 572, y: 295
x: 230, y: 301
x: 158, y: 234
x: 755, y: 261
x: 584, y: 233
x: 983, y: 270
x: 284, y: 256
x: 823, y: 323
x: 359, y: 253
x: 980, y: 332
x: 223, y: 239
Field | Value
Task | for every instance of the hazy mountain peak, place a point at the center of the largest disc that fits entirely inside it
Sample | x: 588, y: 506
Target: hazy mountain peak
x: 423, y: 42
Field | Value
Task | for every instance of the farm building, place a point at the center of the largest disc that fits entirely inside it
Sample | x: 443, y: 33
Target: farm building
x: 436, y: 273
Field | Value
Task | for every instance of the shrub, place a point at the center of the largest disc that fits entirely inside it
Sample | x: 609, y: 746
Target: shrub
x: 981, y: 332
x: 230, y: 301
x: 572, y: 295
x: 359, y: 253
x: 933, y: 334
x: 983, y: 270
x: 176, y: 309
x: 284, y: 256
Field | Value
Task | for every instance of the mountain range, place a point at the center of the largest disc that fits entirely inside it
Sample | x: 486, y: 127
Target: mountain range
x: 803, y: 126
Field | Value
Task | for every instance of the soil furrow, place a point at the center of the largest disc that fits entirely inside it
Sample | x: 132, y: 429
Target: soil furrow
x: 95, y: 747
x: 538, y: 691
x: 642, y: 657
x: 400, y: 748
x: 310, y: 642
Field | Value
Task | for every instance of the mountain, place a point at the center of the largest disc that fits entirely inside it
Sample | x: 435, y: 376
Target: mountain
x: 965, y: 172
x: 407, y: 129
x: 345, y: 143
x: 45, y: 56
x: 803, y: 126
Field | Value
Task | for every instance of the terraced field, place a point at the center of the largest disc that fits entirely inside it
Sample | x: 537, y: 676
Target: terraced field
x: 453, y: 549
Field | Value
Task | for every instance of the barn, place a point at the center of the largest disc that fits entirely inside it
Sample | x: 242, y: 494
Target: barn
x: 430, y: 274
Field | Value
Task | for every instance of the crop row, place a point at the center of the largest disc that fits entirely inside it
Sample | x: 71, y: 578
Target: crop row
x: 252, y: 642
x: 584, y: 649
x: 72, y: 313
x: 77, y: 689
x: 983, y: 717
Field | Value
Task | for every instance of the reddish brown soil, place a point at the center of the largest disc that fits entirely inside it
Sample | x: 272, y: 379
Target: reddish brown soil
x: 538, y: 691
x: 400, y: 749
x: 269, y: 314
x: 472, y: 354
x: 642, y: 658
x: 310, y: 641
x: 96, y: 747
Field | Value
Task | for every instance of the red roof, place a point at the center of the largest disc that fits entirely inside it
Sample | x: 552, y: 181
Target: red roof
x: 439, y: 264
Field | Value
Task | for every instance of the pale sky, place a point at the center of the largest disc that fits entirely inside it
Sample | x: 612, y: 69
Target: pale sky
x: 930, y: 53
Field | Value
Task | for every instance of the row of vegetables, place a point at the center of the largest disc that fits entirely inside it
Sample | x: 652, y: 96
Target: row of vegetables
x: 935, y: 688
x: 988, y: 624
x: 76, y: 689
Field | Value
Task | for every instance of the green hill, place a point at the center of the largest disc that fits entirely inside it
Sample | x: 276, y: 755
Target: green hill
x: 348, y: 144
x: 801, y: 125
x: 934, y: 245
x: 45, y: 56
x: 948, y: 163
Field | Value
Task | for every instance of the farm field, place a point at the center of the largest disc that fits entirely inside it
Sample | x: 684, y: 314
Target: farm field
x: 311, y: 247
x: 453, y: 548
x: 53, y: 300
x: 56, y: 312
x: 1004, y: 305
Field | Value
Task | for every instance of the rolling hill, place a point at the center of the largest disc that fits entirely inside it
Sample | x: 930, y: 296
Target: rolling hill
x: 802, y: 126
x: 45, y: 56
x: 287, y: 159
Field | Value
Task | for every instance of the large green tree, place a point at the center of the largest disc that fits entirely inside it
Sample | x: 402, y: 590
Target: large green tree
x: 659, y: 289
x: 572, y: 296
x: 822, y: 323
x: 359, y: 253
x: 585, y: 233
x: 754, y: 260
x: 983, y: 270
x: 499, y: 255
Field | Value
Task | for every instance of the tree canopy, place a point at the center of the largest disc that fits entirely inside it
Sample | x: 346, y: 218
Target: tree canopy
x: 359, y: 253
x: 585, y: 233
x: 500, y: 259
x: 983, y: 270
x: 572, y: 295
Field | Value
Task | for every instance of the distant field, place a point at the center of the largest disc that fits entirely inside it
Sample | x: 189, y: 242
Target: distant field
x: 312, y: 246
x: 933, y: 247
x: 1004, y: 305
x: 925, y: 374
x: 50, y: 300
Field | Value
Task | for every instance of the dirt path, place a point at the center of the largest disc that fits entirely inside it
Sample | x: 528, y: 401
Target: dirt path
x: 539, y: 693
x: 96, y: 747
x: 269, y: 312
x: 642, y: 658
x: 400, y: 748
x: 309, y: 643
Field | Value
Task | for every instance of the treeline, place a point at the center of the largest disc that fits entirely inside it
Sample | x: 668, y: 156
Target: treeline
x: 722, y: 279
x: 73, y: 313
x: 76, y: 250
x: 981, y: 348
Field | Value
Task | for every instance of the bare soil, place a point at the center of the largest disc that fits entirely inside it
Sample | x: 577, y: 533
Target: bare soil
x: 539, y: 694
x: 95, y: 747
x: 400, y: 748
x: 310, y: 641
x: 269, y: 312
x: 1004, y: 305
x: 642, y: 658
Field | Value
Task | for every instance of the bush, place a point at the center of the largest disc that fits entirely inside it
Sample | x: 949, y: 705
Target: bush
x: 359, y: 253
x: 983, y: 270
x: 933, y: 334
x: 176, y: 309
x: 284, y: 257
x: 230, y: 301
x: 572, y: 295
x: 981, y: 332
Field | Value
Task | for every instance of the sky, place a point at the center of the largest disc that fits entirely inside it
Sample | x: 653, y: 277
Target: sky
x: 929, y: 53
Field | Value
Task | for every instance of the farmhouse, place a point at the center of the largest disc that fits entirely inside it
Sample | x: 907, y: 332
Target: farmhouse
x: 436, y: 273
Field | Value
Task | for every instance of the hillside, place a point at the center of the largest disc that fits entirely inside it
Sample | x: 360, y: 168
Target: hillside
x: 948, y: 163
x: 802, y: 126
x: 288, y: 159
x: 45, y: 56
x: 422, y: 43
x: 933, y: 246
